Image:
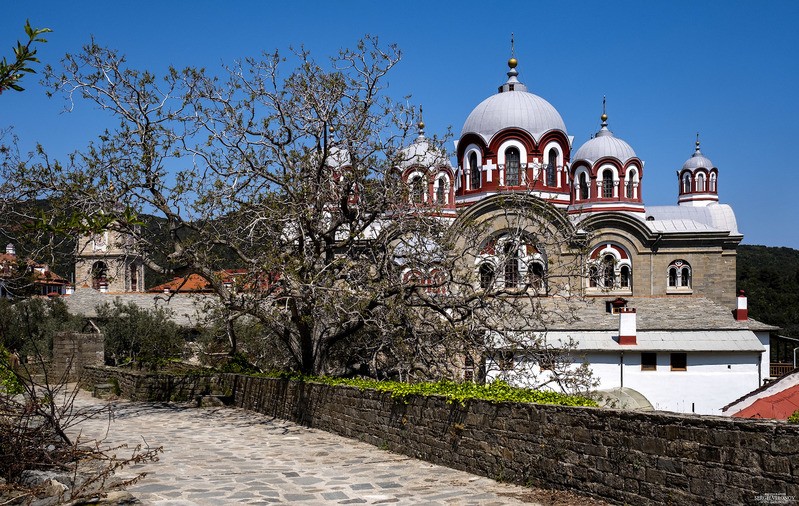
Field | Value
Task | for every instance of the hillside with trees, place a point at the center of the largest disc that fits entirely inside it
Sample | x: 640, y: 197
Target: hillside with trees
x: 770, y: 278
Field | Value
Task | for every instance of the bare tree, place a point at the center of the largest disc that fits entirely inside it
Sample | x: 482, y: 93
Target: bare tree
x: 292, y: 176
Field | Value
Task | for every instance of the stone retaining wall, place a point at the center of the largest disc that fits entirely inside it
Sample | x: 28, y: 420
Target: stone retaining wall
x: 621, y: 456
x: 74, y: 350
x: 149, y: 386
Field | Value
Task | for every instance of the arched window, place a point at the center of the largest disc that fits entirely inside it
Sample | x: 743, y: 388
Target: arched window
x: 608, y: 271
x: 713, y: 183
x: 474, y: 172
x: 134, y: 278
x: 486, y: 276
x: 551, y: 167
x: 511, y: 265
x: 593, y: 276
x: 99, y: 275
x: 630, y: 183
x: 607, y: 184
x: 583, y: 186
x: 512, y: 166
x: 441, y: 191
x: 624, y: 277
x: 537, y: 276
x: 417, y: 189
x: 686, y: 183
x: 700, y: 182
x: 679, y: 274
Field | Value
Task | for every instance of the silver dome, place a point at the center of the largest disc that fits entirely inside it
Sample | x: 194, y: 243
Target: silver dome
x: 604, y: 144
x: 513, y: 107
x: 518, y: 109
x: 696, y: 161
x: 421, y: 152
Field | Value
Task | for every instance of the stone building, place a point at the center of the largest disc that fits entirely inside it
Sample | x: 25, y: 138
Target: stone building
x: 649, y: 290
x: 109, y: 262
x: 652, y: 288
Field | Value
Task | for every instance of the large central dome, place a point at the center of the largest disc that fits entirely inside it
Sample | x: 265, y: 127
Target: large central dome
x: 513, y: 107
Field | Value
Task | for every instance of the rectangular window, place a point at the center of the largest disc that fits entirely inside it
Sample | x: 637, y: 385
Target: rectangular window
x: 679, y: 362
x: 505, y: 360
x: 649, y: 361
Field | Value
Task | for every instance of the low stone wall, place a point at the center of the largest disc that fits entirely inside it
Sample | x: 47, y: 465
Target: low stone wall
x: 74, y: 350
x: 149, y: 386
x: 621, y: 456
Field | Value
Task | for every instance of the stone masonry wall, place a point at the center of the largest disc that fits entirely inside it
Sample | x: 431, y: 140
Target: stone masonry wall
x: 621, y: 456
x: 149, y: 386
x: 72, y: 351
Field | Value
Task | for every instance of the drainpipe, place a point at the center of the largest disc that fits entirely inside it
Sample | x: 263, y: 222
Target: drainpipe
x: 621, y: 369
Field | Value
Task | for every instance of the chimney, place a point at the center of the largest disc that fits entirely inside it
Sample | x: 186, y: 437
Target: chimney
x: 627, y: 325
x: 742, y: 311
x: 10, y: 250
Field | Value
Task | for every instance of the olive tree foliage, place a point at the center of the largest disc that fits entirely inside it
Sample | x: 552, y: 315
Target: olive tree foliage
x: 133, y: 334
x: 24, y: 54
x: 287, y: 168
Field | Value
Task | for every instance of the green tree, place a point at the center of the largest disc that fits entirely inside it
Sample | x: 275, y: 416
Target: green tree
x: 146, y: 337
x: 27, y: 326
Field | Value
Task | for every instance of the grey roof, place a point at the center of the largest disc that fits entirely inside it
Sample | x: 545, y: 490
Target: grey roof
x: 624, y: 398
x: 338, y: 157
x: 667, y: 313
x: 679, y: 340
x: 697, y: 160
x: 420, y: 152
x: 602, y: 145
x: 516, y: 108
x: 713, y: 217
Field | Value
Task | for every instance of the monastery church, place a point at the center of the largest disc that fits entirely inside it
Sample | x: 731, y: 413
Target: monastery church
x: 658, y: 319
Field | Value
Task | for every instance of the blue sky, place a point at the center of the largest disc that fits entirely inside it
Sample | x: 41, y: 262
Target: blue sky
x: 728, y: 70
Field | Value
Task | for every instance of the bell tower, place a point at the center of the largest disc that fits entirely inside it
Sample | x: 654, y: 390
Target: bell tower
x: 109, y: 261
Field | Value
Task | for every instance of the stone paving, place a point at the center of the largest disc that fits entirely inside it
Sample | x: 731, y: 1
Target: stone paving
x: 222, y: 456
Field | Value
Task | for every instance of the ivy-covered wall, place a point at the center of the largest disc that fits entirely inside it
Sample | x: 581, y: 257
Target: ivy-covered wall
x: 622, y: 456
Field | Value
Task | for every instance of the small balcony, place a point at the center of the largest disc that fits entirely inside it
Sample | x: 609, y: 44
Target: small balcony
x: 777, y: 369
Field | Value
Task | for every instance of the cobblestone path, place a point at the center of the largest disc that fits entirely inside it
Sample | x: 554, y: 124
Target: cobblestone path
x: 225, y: 456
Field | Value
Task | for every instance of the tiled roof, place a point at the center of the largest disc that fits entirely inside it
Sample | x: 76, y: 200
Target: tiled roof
x: 194, y: 283
x: 653, y: 314
x: 778, y: 399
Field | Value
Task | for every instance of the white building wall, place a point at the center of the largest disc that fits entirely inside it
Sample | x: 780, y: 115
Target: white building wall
x: 712, y: 379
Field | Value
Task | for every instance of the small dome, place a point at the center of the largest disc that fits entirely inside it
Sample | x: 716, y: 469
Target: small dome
x: 420, y: 152
x: 604, y: 144
x: 338, y: 157
x: 513, y: 107
x: 697, y: 160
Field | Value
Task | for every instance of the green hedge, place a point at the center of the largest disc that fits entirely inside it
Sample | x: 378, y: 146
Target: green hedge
x: 496, y: 391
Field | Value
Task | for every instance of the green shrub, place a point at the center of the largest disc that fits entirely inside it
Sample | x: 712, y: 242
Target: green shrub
x: 496, y: 391
x: 145, y: 336
x: 9, y: 382
x: 794, y: 418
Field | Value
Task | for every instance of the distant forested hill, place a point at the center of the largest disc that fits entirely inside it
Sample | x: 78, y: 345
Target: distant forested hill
x: 770, y: 277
